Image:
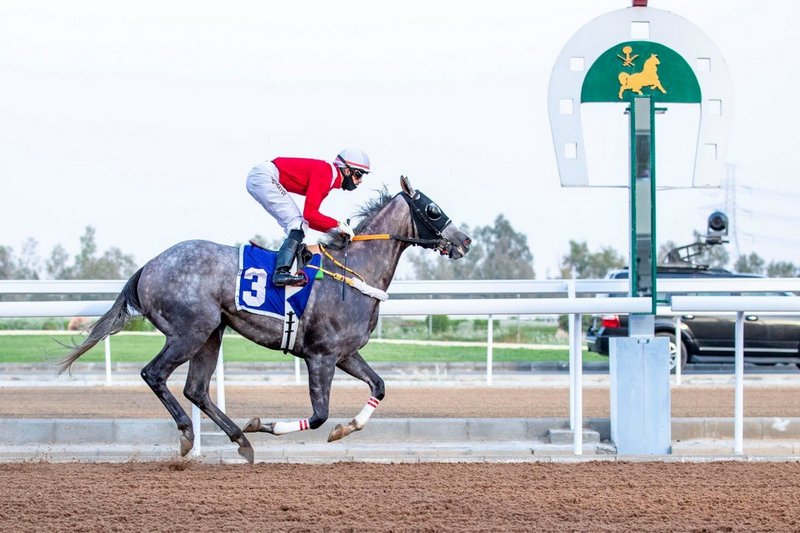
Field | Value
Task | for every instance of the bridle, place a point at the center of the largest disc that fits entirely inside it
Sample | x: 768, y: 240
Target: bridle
x: 429, y: 222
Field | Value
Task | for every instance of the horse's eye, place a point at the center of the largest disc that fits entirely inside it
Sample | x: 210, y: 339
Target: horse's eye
x: 433, y: 211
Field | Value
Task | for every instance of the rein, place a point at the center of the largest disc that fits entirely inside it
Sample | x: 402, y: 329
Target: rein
x: 430, y: 228
x: 430, y: 243
x: 336, y: 275
x: 356, y: 282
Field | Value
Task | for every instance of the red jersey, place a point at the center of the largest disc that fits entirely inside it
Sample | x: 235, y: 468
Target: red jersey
x: 314, y: 179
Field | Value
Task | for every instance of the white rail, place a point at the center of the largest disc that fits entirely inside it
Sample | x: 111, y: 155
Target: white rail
x: 522, y: 297
x: 739, y: 305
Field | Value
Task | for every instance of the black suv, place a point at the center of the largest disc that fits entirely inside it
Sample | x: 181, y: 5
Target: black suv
x: 768, y: 339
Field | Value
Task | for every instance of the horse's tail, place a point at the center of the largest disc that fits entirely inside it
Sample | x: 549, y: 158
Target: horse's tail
x: 108, y: 324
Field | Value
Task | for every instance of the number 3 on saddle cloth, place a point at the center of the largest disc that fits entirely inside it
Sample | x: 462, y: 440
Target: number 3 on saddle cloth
x: 255, y: 292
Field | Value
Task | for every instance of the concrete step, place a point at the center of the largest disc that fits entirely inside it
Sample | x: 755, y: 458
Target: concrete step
x: 751, y: 447
x: 567, y: 436
x: 311, y: 452
x: 383, y: 440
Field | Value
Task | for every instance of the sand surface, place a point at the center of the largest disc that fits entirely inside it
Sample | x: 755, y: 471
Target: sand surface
x: 400, y: 402
x: 594, y: 496
x: 179, y: 496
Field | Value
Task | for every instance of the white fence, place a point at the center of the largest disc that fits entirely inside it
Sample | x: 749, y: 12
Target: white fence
x: 496, y: 297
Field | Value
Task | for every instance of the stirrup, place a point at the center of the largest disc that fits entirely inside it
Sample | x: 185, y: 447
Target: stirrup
x: 294, y: 280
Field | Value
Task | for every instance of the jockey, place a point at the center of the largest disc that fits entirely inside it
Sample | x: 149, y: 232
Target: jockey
x: 270, y: 181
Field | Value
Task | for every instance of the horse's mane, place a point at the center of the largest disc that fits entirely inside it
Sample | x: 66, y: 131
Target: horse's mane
x: 365, y: 213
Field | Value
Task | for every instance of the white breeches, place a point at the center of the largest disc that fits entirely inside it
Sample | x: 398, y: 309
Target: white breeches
x: 263, y: 185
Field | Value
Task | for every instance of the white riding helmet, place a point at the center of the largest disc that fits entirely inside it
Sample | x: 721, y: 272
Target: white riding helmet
x: 353, y: 158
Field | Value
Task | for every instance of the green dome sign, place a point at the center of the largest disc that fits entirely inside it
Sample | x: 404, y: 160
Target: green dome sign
x: 640, y: 68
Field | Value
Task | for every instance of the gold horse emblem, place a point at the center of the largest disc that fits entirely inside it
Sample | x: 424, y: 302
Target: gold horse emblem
x: 637, y: 80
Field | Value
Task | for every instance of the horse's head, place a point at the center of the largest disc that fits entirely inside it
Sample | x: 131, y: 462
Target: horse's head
x: 433, y: 225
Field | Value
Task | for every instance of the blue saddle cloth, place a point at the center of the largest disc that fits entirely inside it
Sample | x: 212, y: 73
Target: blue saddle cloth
x: 256, y: 293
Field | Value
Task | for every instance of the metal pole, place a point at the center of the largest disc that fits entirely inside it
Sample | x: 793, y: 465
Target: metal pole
x: 577, y: 385
x: 221, y: 381
x: 572, y: 356
x: 489, y: 350
x: 678, y: 351
x: 738, y: 422
x: 108, y: 360
x: 196, y: 424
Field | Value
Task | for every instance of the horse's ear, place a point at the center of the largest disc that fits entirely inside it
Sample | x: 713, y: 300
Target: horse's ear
x: 406, y: 186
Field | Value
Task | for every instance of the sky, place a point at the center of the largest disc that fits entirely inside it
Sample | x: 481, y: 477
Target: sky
x: 142, y: 119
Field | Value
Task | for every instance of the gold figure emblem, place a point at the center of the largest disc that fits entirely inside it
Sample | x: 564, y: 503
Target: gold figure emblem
x: 627, y: 61
x: 637, y: 80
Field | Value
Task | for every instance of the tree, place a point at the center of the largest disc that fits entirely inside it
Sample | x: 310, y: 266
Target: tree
x: 497, y: 252
x: 8, y: 269
x: 750, y: 264
x: 23, y: 267
x: 664, y: 250
x: 57, y: 265
x: 782, y: 269
x: 29, y: 262
x: 113, y: 264
x: 580, y: 263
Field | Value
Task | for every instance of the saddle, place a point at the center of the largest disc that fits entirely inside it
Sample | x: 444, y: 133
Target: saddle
x: 255, y: 292
x: 302, y: 257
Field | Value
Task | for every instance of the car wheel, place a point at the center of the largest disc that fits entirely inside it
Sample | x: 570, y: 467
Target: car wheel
x: 673, y: 351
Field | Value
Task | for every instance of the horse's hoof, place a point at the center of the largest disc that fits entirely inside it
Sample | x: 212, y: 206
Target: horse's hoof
x: 247, y: 452
x: 253, y: 425
x: 339, y: 432
x: 186, y: 445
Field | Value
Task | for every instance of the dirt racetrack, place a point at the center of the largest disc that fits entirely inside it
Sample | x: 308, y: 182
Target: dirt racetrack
x: 400, y: 402
x: 592, y: 496
x: 582, y: 496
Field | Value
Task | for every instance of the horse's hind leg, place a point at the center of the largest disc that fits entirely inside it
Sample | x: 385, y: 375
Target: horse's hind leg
x: 201, y: 368
x: 156, y: 373
x: 320, y: 376
x: 360, y: 369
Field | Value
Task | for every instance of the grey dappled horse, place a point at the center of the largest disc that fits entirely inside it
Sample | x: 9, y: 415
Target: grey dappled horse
x: 187, y: 292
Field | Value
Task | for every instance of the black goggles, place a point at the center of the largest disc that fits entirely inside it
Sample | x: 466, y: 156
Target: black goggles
x: 357, y: 172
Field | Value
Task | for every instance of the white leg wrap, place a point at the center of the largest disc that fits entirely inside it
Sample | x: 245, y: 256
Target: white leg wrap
x: 282, y: 428
x: 362, y: 417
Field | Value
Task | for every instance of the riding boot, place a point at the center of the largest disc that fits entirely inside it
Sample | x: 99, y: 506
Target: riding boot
x: 283, y: 262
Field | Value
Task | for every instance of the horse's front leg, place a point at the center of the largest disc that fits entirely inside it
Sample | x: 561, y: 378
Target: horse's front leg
x: 320, y: 376
x: 358, y: 368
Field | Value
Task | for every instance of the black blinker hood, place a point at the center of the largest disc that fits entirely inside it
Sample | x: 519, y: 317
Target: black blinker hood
x: 424, y: 226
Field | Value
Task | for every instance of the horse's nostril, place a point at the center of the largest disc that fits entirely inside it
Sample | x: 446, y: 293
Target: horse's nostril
x: 467, y: 242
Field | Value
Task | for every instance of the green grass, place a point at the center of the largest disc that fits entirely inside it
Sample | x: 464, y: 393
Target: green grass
x: 142, y: 348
